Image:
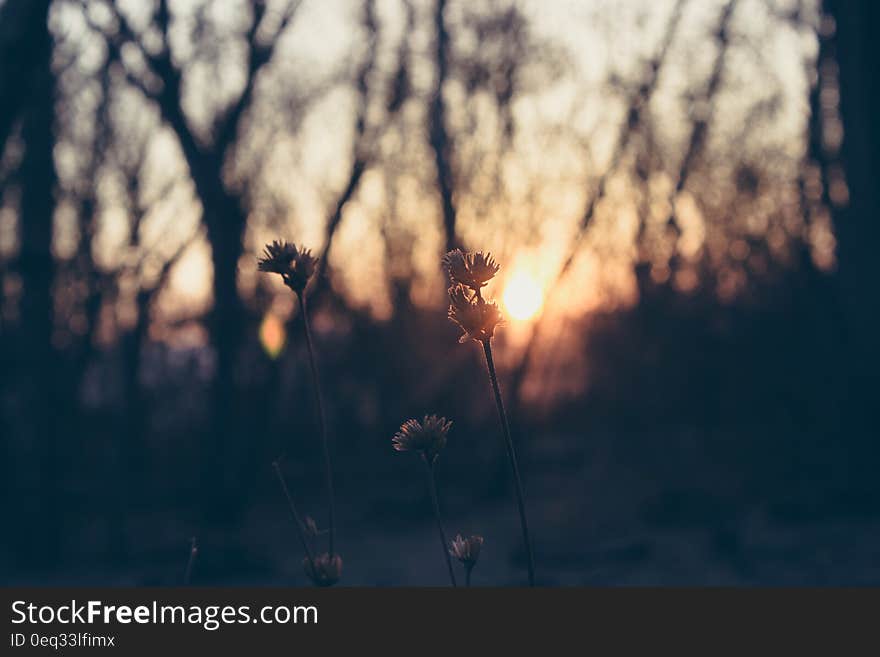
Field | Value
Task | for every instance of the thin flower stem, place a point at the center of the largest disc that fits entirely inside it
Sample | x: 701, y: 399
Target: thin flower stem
x: 467, y: 575
x: 511, y: 453
x: 319, y: 398
x: 432, y: 486
x: 296, y: 517
x: 193, y: 553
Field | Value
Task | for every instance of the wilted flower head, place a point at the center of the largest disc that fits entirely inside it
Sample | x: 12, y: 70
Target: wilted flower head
x: 296, y: 265
x: 427, y: 437
x: 476, y: 317
x: 327, y: 570
x: 473, y: 270
x: 466, y: 550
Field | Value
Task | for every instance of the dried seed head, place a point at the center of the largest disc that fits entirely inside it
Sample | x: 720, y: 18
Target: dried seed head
x: 466, y: 550
x: 427, y: 437
x: 327, y: 570
x: 476, y: 317
x: 472, y: 270
x: 455, y: 265
x: 296, y: 265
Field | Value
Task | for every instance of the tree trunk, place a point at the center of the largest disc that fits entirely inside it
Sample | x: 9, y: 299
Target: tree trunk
x: 857, y: 223
x: 224, y: 451
x: 441, y: 140
x: 39, y: 531
x: 858, y: 228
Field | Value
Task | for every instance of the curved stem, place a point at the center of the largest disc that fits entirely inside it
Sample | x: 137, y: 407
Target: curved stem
x: 319, y: 400
x: 511, y: 453
x: 296, y: 517
x: 432, y: 486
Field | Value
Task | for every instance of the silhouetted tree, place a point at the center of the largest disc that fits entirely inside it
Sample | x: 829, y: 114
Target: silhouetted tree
x: 856, y: 217
x: 36, y: 265
x: 223, y: 213
x: 441, y: 140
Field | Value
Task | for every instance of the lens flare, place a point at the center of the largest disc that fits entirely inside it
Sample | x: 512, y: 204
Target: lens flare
x: 523, y: 296
x: 273, y: 335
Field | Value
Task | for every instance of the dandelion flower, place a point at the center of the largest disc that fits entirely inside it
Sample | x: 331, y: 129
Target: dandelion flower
x: 295, y: 265
x: 473, y: 270
x: 476, y: 317
x: 427, y: 437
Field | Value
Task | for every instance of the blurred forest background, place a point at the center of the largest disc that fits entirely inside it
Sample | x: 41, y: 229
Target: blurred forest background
x: 681, y: 194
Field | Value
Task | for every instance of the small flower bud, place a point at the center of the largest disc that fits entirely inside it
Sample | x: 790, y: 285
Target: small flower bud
x: 466, y: 550
x: 326, y: 571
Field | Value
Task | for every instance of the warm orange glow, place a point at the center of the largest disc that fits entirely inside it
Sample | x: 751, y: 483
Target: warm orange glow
x: 523, y: 296
x: 272, y: 335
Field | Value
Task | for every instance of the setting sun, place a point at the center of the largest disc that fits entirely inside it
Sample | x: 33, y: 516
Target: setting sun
x: 523, y: 296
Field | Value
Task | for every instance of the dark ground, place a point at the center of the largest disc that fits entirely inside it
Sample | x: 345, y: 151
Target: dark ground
x: 600, y: 516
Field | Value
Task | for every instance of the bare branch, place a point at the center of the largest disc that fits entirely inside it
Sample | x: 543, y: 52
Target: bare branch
x: 161, y: 66
x: 258, y: 56
x: 363, y: 149
x: 638, y: 100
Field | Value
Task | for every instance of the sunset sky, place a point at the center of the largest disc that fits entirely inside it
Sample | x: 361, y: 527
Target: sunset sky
x: 522, y: 201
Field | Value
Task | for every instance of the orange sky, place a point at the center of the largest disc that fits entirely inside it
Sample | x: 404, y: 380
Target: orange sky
x: 523, y: 206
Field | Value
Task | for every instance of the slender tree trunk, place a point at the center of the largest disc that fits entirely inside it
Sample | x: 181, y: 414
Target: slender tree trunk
x: 224, y: 453
x: 40, y: 529
x: 441, y: 140
x: 857, y: 225
x: 856, y: 221
x: 21, y: 21
x: 132, y: 456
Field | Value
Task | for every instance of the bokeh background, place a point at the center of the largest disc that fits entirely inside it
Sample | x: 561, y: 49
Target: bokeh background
x: 681, y: 194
